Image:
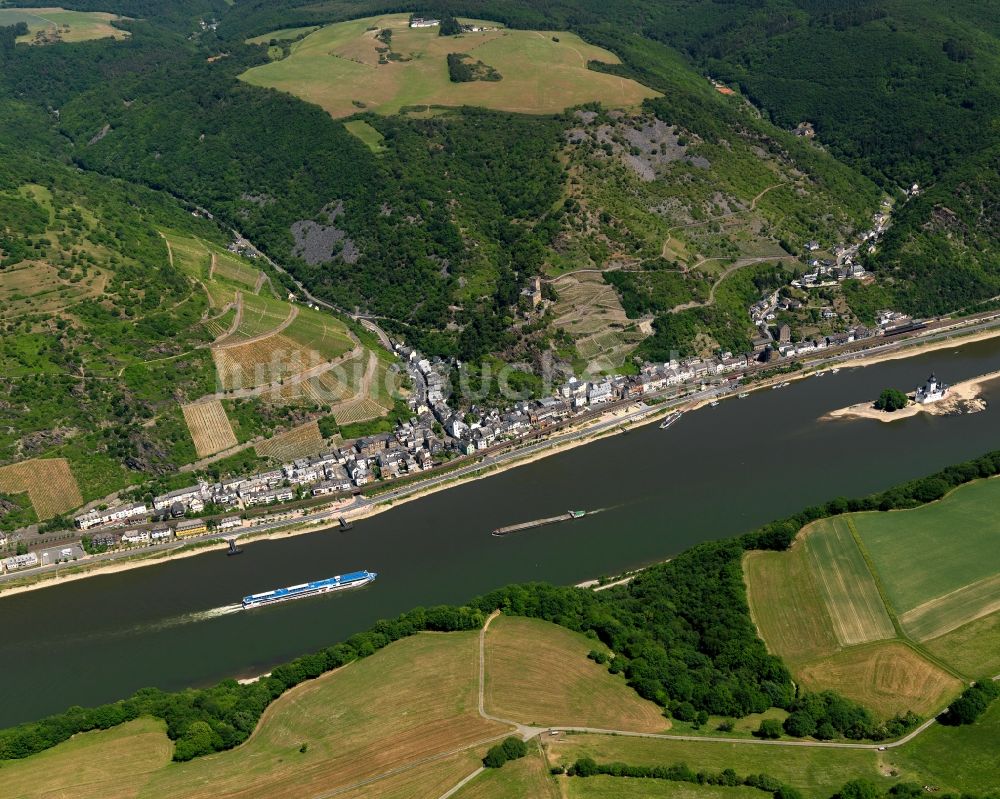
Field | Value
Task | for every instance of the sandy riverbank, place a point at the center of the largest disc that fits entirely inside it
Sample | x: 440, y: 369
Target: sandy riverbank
x: 962, y: 398
x: 958, y: 340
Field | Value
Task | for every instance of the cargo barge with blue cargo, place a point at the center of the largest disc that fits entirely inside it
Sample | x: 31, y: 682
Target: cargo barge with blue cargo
x: 339, y: 583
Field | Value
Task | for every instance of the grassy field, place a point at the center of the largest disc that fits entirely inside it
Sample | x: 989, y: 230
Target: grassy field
x: 846, y: 584
x: 818, y: 773
x: 973, y: 649
x: 59, y: 25
x: 527, y: 778
x: 887, y: 676
x: 283, y: 35
x: 617, y: 788
x: 367, y: 134
x: 91, y: 765
x: 340, y: 69
x: 935, y: 584
x: 538, y: 673
x: 787, y: 606
x: 354, y: 727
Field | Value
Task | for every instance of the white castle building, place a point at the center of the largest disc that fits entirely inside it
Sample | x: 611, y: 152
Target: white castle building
x: 931, y: 391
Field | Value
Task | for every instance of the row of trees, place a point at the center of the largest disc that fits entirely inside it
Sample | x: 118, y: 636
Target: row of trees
x: 854, y: 789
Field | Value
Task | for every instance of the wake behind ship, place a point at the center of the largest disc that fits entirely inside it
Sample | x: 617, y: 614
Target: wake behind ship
x: 339, y: 583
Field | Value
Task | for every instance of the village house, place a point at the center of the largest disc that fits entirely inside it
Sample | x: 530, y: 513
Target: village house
x: 122, y: 513
x: 229, y: 523
x: 190, y: 527
x: 183, y: 495
x: 18, y: 562
x: 135, y: 537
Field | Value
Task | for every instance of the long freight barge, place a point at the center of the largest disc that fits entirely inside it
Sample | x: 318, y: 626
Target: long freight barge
x: 339, y: 583
x: 516, y: 528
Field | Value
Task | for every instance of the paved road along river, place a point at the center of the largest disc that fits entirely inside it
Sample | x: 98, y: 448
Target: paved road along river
x: 717, y: 472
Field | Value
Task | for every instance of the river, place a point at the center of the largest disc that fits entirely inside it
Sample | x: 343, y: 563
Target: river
x: 716, y: 472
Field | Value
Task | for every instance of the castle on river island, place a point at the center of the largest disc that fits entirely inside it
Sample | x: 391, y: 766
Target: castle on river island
x: 931, y: 391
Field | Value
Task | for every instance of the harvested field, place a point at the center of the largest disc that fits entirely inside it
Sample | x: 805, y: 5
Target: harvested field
x: 91, y: 765
x: 928, y: 556
x: 209, y: 426
x: 428, y: 779
x: 946, y: 613
x: 298, y: 442
x: 787, y: 606
x: 888, y: 677
x: 538, y: 673
x: 339, y: 65
x: 973, y: 649
x: 846, y: 584
x: 48, y: 482
x: 355, y: 729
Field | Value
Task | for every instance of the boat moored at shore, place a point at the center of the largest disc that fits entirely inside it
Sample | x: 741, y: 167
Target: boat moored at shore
x: 338, y: 583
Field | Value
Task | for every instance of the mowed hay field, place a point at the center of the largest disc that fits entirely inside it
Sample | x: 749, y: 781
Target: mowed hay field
x: 845, y: 583
x: 538, y: 673
x: 940, y: 563
x: 887, y: 677
x: 787, y: 606
x: 413, y: 700
x: 68, y: 26
x: 48, y: 482
x: 209, y: 426
x: 338, y: 65
x: 110, y: 764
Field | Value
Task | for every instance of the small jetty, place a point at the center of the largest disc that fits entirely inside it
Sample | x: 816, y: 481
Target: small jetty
x: 344, y: 524
x: 233, y: 549
x: 517, y: 528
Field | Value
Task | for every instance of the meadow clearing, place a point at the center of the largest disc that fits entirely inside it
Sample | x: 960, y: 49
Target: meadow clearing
x: 341, y: 69
x: 48, y: 482
x: 940, y: 563
x: 58, y: 24
x: 556, y: 683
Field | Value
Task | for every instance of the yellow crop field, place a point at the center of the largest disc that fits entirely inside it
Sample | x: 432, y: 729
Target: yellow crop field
x: 538, y: 673
x: 340, y: 65
x: 49, y: 483
x: 295, y: 443
x: 209, y: 426
x: 358, y: 411
x: 847, y: 586
x: 888, y: 677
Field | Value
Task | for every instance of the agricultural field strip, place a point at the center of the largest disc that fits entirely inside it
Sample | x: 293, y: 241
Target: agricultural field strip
x: 951, y: 611
x: 236, y: 367
x: 850, y: 591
